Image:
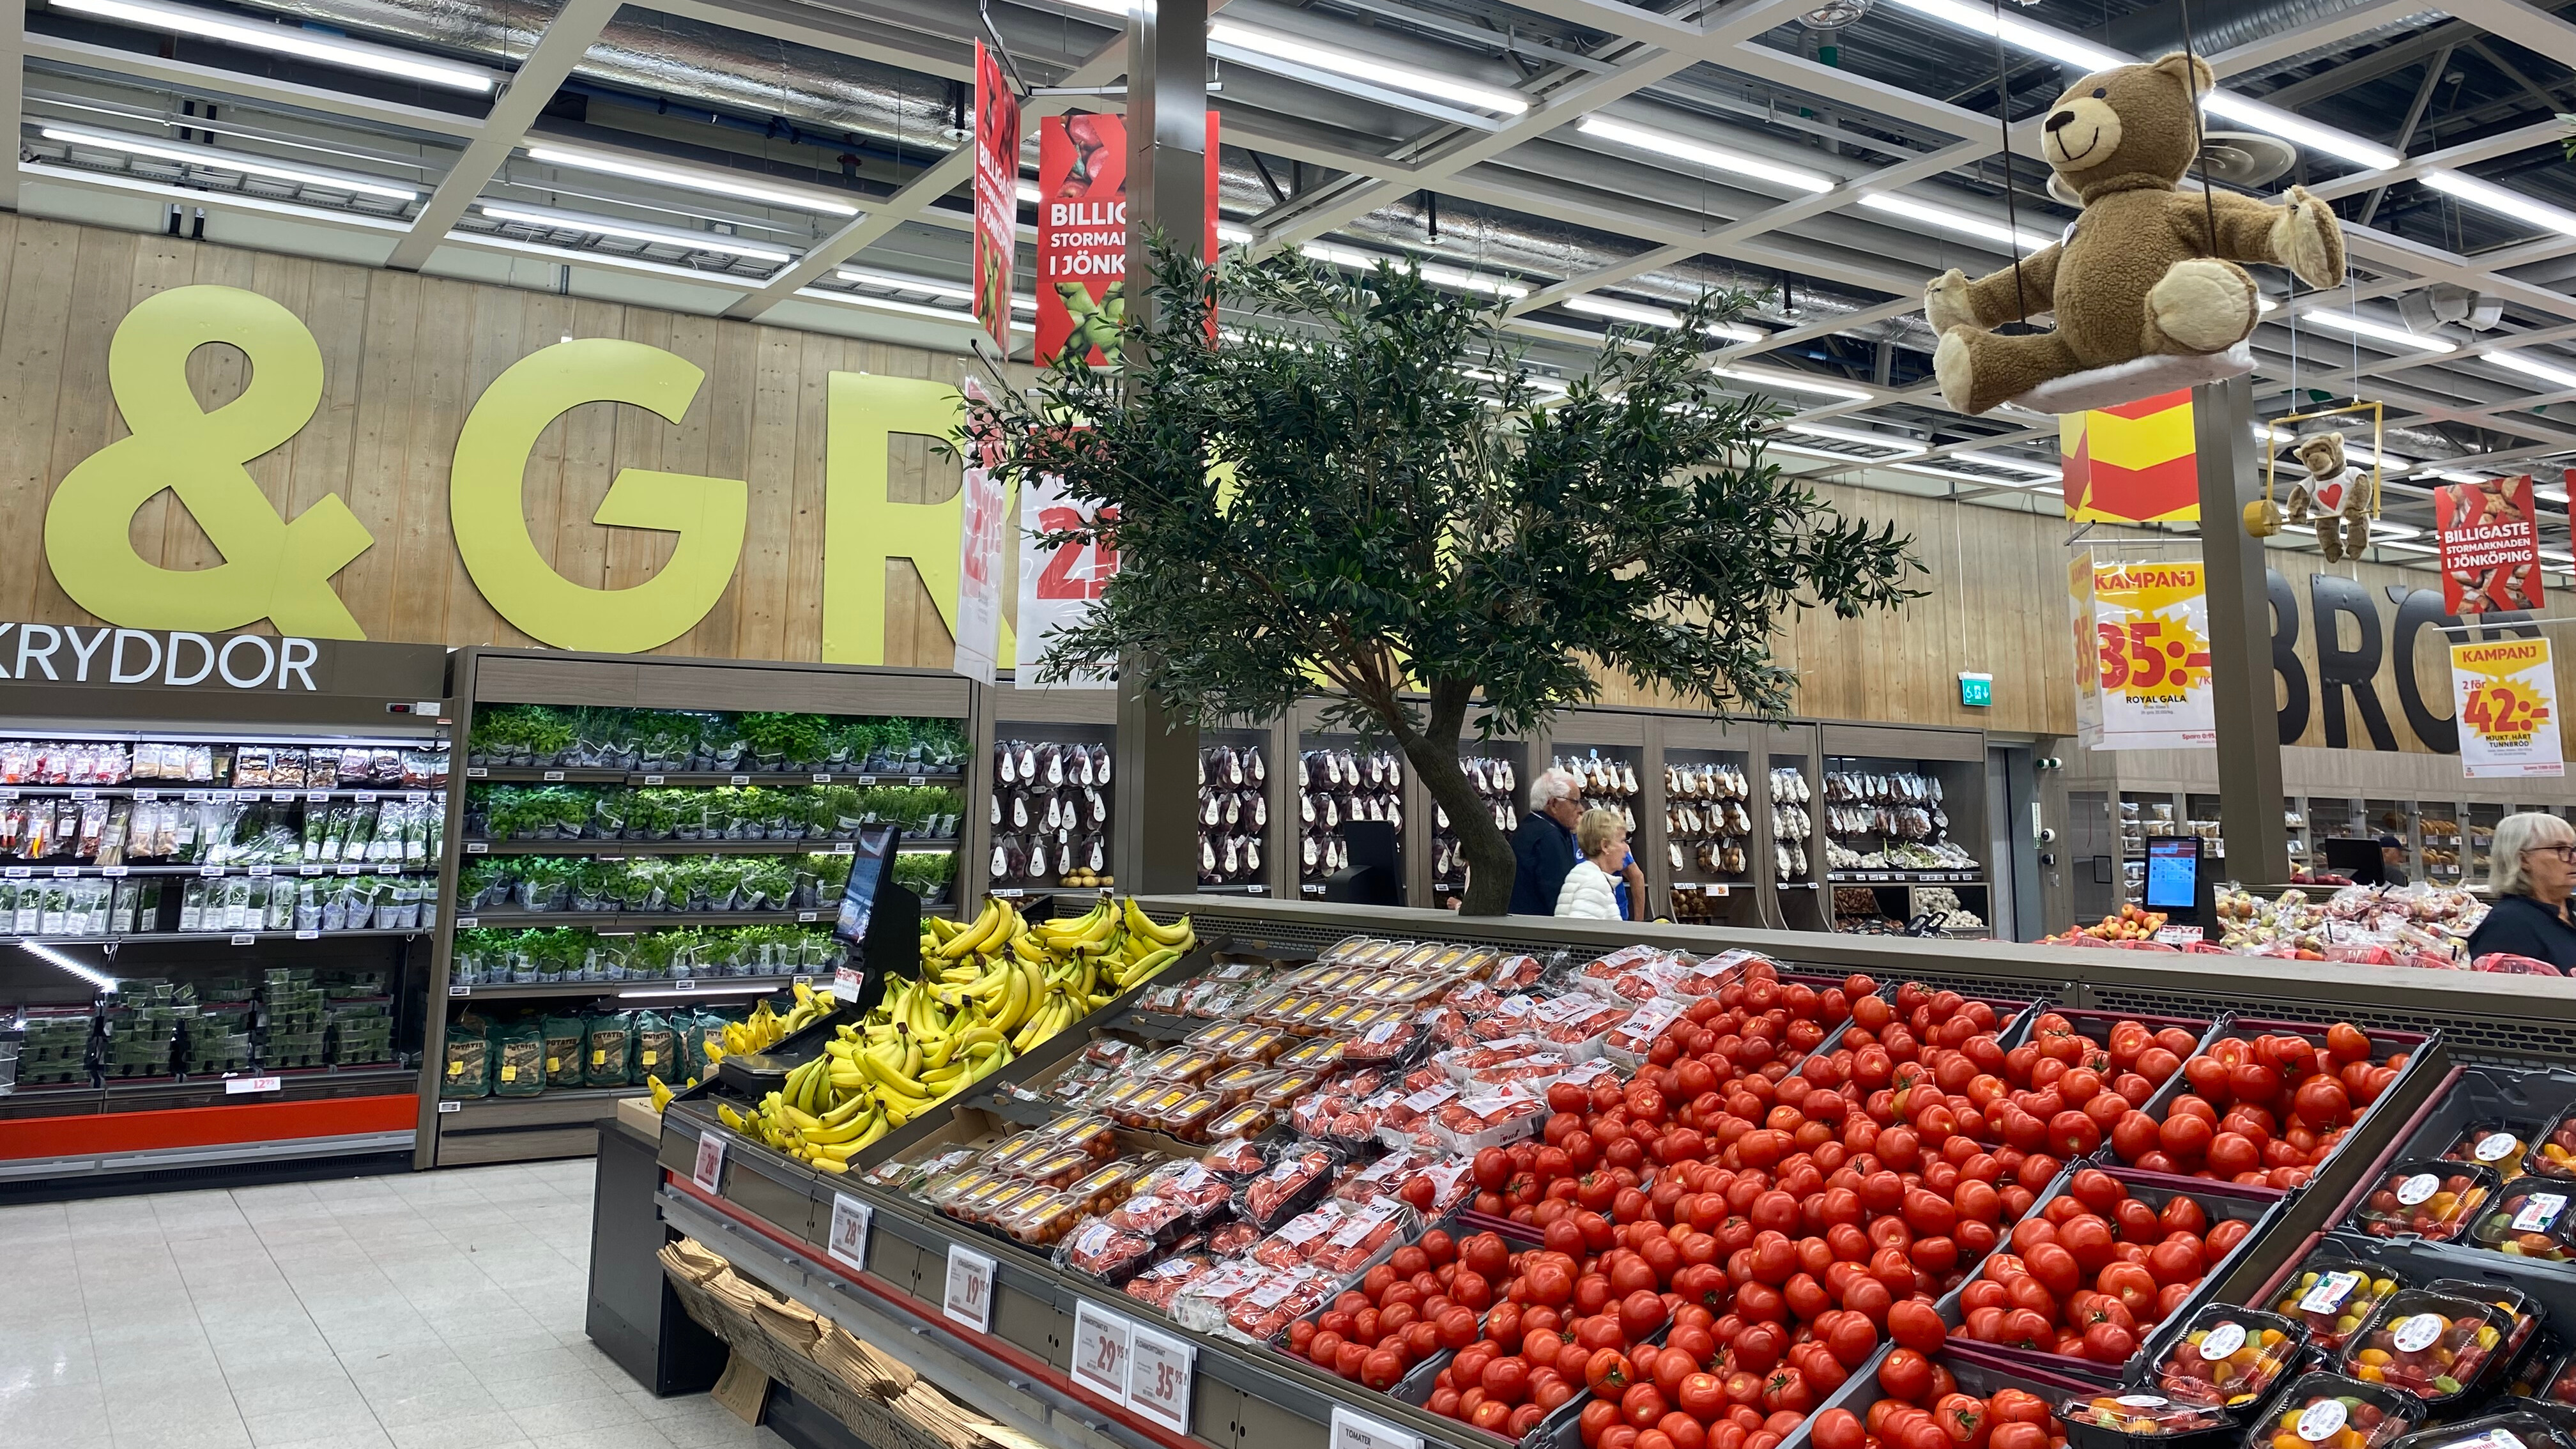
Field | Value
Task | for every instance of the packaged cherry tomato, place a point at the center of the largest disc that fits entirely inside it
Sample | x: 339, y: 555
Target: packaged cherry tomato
x: 2114, y: 1420
x: 2492, y: 1144
x: 1200, y: 1192
x: 1161, y: 1283
x: 2333, y: 1296
x: 2523, y: 1315
x: 2555, y: 1151
x: 1289, y: 1186
x: 2330, y: 1411
x: 2432, y: 1345
x: 2228, y: 1356
x: 2509, y: 1429
x: 2429, y: 1198
x: 2530, y: 1219
x: 1238, y: 1160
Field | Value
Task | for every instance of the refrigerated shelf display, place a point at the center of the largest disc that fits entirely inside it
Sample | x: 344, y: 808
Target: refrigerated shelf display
x: 1234, y: 812
x: 540, y: 736
x: 1496, y: 779
x: 1793, y: 825
x: 1708, y: 817
x: 1050, y: 813
x: 1341, y: 783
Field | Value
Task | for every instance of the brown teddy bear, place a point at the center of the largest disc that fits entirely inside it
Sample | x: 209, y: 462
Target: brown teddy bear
x: 2139, y: 274
x: 2332, y: 496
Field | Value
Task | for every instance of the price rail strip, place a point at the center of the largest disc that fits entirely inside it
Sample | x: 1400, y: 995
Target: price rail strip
x: 1004, y: 1359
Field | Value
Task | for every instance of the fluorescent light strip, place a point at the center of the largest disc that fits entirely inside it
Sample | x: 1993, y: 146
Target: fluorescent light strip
x: 908, y: 309
x: 2497, y: 199
x: 1998, y: 460
x: 2272, y: 120
x: 220, y: 160
x: 1665, y: 143
x: 704, y: 991
x: 635, y: 231
x: 688, y: 178
x: 2381, y: 528
x: 289, y: 40
x: 1029, y: 193
x: 2379, y: 331
x: 2531, y: 366
x: 1956, y: 476
x: 2550, y: 495
x: 1905, y: 447
x: 2404, y: 547
x: 903, y: 282
x: 1359, y: 67
x: 1617, y: 311
x: 1457, y: 279
x: 2554, y: 556
x: 1958, y: 221
x: 1795, y: 382
x: 1230, y: 235
x: 1545, y: 386
x: 52, y: 957
x: 2037, y: 39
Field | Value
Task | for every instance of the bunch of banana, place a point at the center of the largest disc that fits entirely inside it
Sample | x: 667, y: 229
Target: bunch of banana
x: 765, y: 1029
x: 989, y: 991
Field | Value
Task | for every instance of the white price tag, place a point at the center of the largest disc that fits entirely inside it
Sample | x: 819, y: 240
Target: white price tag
x: 708, y: 1171
x: 316, y: 797
x: 467, y: 923
x: 848, y: 1239
x: 308, y: 870
x: 739, y: 780
x: 460, y: 991
x: 368, y: 797
x: 554, y: 775
x: 445, y: 1107
x: 822, y: 777
x: 477, y: 772
x: 259, y: 871
x: 865, y: 780
x: 845, y: 982
x: 66, y: 872
x: 1159, y: 1378
x: 114, y: 872
x: 1358, y: 1431
x: 656, y: 779
x: 805, y: 916
x: 968, y: 1299
x: 1101, y: 1346
x: 235, y: 1086
x: 802, y: 980
x: 308, y: 935
x: 685, y: 983
x: 476, y: 847
x: 916, y: 781
x: 2178, y: 935
x: 350, y: 869
x: 243, y: 938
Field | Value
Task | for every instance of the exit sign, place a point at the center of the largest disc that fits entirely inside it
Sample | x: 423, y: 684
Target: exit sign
x: 1976, y: 690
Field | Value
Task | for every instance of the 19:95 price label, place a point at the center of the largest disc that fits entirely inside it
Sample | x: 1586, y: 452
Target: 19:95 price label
x: 1158, y: 1380
x: 968, y: 1299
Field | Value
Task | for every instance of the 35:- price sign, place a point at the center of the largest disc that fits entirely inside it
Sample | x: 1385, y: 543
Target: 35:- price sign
x: 2507, y: 694
x: 1159, y: 1369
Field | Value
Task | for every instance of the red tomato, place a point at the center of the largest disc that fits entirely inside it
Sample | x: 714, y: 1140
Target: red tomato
x: 1491, y: 1416
x: 1702, y: 1396
x: 1642, y: 1405
x: 2109, y: 1343
x: 2176, y: 1260
x: 1597, y: 1416
x: 1840, y: 1429
x: 1906, y: 1374
x: 1916, y: 1325
x: 1608, y: 1373
x: 1381, y: 1369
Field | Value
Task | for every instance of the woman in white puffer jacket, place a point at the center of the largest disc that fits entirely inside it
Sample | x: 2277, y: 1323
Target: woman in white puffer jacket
x: 1602, y: 836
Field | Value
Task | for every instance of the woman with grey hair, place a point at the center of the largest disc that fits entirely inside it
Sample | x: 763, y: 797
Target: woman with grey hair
x: 1543, y: 846
x: 2531, y: 867
x: 1602, y: 836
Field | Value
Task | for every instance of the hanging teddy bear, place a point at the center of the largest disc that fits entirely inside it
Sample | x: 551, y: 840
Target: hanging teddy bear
x: 2332, y: 496
x: 2140, y: 273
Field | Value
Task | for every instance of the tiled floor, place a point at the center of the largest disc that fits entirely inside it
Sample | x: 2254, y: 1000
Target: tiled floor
x: 423, y: 1311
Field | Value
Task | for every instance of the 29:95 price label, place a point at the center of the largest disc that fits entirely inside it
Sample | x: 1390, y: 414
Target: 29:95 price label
x: 1101, y: 1344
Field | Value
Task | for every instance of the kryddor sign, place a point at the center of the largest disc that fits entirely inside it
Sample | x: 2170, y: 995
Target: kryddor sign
x: 156, y: 658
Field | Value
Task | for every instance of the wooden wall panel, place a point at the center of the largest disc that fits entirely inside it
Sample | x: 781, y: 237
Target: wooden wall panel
x: 406, y: 356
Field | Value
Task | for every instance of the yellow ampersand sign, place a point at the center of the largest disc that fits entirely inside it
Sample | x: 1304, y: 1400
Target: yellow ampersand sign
x: 484, y: 491
x: 272, y: 569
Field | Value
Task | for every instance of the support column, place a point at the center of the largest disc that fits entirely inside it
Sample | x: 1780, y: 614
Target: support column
x: 2240, y: 635
x: 1156, y: 806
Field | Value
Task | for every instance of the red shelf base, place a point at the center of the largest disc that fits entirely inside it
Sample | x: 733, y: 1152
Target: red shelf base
x: 93, y: 1133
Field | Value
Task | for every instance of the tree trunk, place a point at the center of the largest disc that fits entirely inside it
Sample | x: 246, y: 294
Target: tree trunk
x: 1433, y: 752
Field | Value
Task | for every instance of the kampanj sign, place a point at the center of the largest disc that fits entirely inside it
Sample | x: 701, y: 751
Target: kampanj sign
x: 2385, y: 631
x: 280, y: 570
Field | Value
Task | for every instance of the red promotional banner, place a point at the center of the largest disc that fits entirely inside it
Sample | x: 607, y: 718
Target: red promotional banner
x: 2490, y: 546
x: 997, y: 195
x: 1082, y: 229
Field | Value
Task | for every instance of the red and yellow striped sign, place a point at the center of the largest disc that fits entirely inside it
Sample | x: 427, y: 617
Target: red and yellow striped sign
x: 2134, y: 463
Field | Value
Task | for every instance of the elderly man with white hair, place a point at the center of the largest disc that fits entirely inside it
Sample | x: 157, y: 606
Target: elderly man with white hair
x: 1543, y: 847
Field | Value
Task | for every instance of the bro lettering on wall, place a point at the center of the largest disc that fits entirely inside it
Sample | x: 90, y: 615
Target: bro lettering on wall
x: 2346, y: 654
x: 279, y: 570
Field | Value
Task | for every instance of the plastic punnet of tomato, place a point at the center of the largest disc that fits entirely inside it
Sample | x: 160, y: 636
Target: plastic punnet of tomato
x: 2330, y: 1411
x: 2265, y: 1103
x: 2504, y: 1429
x: 2114, y: 1420
x: 2427, y: 1197
x: 2333, y: 1296
x: 2523, y: 1315
x: 2229, y: 1356
x: 2530, y: 1220
x: 2554, y: 1152
x: 2432, y: 1345
x: 2491, y: 1144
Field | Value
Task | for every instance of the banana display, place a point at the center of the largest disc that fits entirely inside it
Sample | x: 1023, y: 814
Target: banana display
x: 761, y: 1030
x: 989, y: 991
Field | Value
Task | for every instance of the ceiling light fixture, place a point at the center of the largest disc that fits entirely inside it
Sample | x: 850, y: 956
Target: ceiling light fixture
x: 1645, y: 315
x: 1998, y: 460
x: 2495, y: 198
x: 2272, y: 120
x: 50, y: 956
x: 905, y: 282
x: 660, y: 236
x: 908, y: 309
x: 1794, y: 381
x: 1905, y: 447
x: 1958, y: 221
x: 1665, y: 143
x: 1956, y: 476
x: 2379, y: 331
x: 221, y: 160
x: 313, y: 45
x: 711, y: 181
x: 1029, y: 193
x: 1432, y: 272
x: 2530, y: 366
x: 1276, y: 46
x: 1233, y: 236
x: 2066, y: 49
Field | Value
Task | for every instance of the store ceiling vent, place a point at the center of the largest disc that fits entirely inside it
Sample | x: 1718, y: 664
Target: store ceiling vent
x: 2429, y: 307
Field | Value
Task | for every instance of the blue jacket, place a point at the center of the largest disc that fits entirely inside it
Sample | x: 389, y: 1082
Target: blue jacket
x: 1543, y: 852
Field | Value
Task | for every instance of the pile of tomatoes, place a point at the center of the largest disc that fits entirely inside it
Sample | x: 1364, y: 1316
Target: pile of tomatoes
x: 2093, y: 1270
x: 1921, y: 1407
x: 2263, y: 1111
x: 1426, y: 1298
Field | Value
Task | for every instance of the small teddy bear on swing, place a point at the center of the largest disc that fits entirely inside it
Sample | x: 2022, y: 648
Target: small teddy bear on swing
x: 2331, y: 496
